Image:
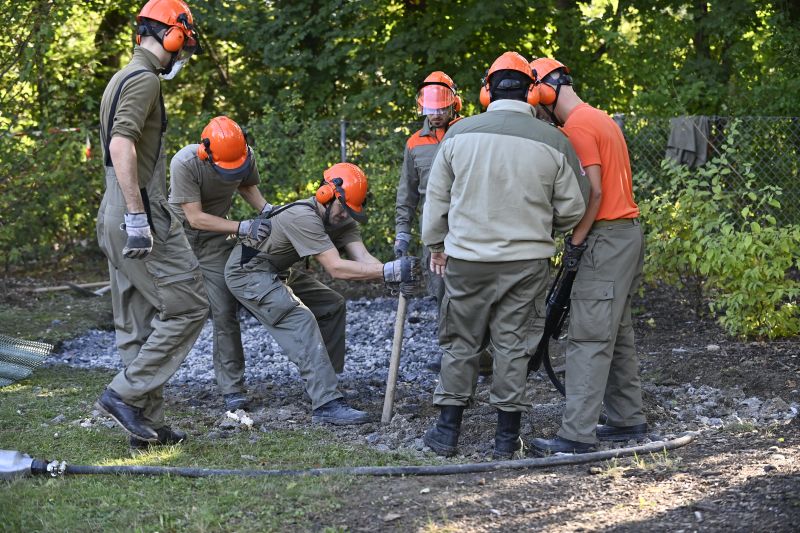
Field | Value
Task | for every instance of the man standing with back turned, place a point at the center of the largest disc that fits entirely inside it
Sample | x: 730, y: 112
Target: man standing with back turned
x: 500, y: 184
x: 601, y: 359
x: 157, y: 292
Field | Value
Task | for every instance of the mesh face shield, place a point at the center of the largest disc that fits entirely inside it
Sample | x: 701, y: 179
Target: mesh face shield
x: 435, y: 99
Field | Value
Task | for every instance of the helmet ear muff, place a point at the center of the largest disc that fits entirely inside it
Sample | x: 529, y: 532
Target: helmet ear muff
x: 458, y: 104
x: 547, y: 95
x: 532, y: 95
x: 204, y: 149
x: 173, y: 39
x: 325, y: 193
x: 485, y: 96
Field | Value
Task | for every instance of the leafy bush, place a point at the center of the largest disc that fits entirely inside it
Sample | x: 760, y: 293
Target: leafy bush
x: 725, y: 245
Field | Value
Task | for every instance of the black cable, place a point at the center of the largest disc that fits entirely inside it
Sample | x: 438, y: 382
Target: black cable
x: 428, y: 470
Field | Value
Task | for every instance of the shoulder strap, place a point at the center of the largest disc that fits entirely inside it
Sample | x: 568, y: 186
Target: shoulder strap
x: 106, y: 138
x: 276, y: 210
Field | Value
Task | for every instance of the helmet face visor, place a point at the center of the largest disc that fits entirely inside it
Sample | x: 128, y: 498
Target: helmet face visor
x: 234, y: 174
x: 435, y: 100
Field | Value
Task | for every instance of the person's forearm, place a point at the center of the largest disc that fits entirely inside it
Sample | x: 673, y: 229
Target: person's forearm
x: 123, y: 156
x: 356, y: 270
x: 206, y: 222
x: 253, y: 197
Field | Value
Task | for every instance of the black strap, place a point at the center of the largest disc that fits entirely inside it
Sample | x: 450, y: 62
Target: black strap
x: 112, y: 113
x: 107, y: 137
x: 249, y: 252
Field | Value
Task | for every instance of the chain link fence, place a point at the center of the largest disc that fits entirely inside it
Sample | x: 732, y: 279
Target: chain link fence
x: 769, y: 146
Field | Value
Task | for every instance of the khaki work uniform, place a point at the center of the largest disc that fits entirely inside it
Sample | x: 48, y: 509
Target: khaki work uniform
x: 419, y: 153
x: 304, y: 316
x: 159, y: 302
x: 194, y: 180
x: 501, y: 183
x: 602, y: 365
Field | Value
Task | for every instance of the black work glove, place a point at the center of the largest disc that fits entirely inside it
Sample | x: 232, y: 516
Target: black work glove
x: 401, y: 242
x: 256, y: 230
x: 140, y: 239
x: 572, y: 253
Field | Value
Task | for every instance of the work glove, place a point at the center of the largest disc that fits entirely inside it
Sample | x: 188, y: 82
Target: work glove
x: 140, y: 239
x: 266, y: 209
x: 403, y: 275
x: 256, y: 230
x: 401, y: 242
x: 572, y: 253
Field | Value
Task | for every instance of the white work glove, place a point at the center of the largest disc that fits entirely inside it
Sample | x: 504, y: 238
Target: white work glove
x: 256, y: 229
x: 140, y: 239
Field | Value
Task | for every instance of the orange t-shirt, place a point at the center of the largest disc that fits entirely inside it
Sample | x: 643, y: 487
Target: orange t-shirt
x: 598, y: 141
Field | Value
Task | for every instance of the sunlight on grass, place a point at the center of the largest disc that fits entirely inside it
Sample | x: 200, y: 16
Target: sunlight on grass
x: 152, y: 456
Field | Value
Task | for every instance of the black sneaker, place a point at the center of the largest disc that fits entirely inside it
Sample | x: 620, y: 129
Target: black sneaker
x: 166, y: 437
x: 621, y: 433
x: 235, y: 400
x: 560, y: 445
x: 338, y: 413
x: 127, y: 416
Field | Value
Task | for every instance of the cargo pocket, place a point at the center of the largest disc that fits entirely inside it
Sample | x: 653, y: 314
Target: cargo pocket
x: 273, y: 299
x: 535, y: 326
x: 444, y: 313
x: 180, y: 294
x: 591, y: 301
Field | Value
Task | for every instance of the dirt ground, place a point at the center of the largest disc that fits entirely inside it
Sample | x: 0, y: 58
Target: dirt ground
x: 742, y: 473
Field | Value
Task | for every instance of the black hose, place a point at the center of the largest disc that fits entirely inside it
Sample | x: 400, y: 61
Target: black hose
x: 430, y: 470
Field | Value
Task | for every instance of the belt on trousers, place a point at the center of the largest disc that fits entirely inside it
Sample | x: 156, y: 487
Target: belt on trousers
x: 617, y: 222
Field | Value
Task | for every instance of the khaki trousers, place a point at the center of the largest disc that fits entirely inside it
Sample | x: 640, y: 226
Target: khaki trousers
x: 212, y: 251
x: 602, y: 366
x: 291, y: 322
x: 494, y: 305
x: 159, y: 306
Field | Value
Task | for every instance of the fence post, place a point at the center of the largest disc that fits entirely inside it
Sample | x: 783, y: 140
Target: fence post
x: 343, y: 139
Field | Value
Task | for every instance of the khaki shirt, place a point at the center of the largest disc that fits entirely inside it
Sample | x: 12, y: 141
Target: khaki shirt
x: 299, y: 232
x: 195, y: 180
x: 137, y: 116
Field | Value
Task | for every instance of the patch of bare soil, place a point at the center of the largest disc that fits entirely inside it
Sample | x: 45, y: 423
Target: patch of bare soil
x: 735, y: 477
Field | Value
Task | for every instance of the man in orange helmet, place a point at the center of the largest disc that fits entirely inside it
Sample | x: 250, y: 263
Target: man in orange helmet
x: 501, y: 183
x: 203, y: 179
x: 157, y: 293
x: 439, y: 103
x: 602, y: 366
x: 304, y: 316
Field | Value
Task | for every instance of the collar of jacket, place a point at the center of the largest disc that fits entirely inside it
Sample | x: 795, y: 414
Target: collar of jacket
x: 512, y: 105
x: 146, y: 58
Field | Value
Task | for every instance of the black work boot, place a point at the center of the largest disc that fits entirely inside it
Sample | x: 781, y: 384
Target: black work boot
x: 338, y: 413
x: 166, y: 436
x: 560, y: 445
x: 127, y: 416
x: 606, y: 432
x: 506, y: 436
x: 443, y: 437
x: 235, y: 400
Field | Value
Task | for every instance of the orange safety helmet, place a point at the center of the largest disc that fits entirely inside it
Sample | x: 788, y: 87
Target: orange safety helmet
x: 224, y: 145
x: 348, y: 183
x: 437, y: 92
x: 175, y: 14
x: 509, y: 61
x: 543, y: 67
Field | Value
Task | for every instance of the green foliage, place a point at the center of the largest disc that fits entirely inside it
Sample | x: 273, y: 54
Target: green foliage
x: 725, y: 246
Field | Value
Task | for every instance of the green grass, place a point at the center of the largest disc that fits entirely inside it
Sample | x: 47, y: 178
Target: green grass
x: 115, y: 503
x: 53, y: 317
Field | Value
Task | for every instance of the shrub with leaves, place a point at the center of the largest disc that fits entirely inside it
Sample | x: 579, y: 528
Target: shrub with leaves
x: 725, y: 245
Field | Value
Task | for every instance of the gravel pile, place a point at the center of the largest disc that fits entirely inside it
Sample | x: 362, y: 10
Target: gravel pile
x: 370, y: 327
